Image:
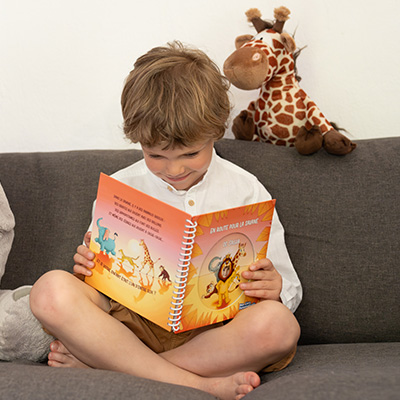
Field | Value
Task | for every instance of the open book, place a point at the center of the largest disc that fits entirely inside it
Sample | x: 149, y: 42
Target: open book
x: 177, y: 270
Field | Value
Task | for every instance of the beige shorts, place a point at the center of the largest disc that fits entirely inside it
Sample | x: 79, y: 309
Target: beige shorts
x: 160, y: 340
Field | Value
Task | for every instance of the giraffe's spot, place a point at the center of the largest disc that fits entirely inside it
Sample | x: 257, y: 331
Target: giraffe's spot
x: 277, y: 45
x: 273, y: 62
x: 277, y: 108
x: 310, y: 113
x: 289, y: 80
x: 285, y: 60
x: 284, y: 119
x: 300, y: 94
x: 281, y: 143
x: 300, y: 104
x: 280, y: 131
x: 325, y: 128
x: 265, y: 96
x: 264, y: 116
x: 316, y: 121
x: 289, y: 98
x: 276, y: 95
x: 273, y: 83
x: 289, y: 108
x: 300, y: 115
x: 261, y: 104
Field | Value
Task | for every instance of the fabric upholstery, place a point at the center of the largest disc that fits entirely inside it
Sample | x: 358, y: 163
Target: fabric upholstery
x: 341, y: 216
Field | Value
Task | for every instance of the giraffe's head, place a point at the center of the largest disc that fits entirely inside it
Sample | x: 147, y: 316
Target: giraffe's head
x: 259, y: 58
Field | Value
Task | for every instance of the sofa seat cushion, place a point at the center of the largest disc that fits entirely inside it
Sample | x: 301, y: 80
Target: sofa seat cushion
x: 363, y: 371
x: 28, y: 380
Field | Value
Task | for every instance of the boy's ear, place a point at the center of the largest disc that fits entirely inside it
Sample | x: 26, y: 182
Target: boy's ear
x: 241, y: 40
x: 288, y: 42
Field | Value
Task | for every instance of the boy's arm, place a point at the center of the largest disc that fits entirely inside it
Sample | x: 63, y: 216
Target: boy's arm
x: 291, y: 292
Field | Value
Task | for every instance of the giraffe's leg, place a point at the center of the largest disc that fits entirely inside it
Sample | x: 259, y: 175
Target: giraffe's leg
x: 338, y: 144
x: 243, y: 126
x: 308, y: 141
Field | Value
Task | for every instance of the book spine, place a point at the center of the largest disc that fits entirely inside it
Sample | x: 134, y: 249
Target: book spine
x: 182, y: 272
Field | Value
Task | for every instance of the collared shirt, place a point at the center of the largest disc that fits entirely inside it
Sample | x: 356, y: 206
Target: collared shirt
x: 225, y: 185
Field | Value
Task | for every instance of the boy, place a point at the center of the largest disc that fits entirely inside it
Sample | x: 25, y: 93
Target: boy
x: 175, y: 104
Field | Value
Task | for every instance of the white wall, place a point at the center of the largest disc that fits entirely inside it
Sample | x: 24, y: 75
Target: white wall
x: 63, y: 63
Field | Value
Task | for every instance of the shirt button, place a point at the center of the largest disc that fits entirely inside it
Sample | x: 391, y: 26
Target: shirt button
x: 191, y: 203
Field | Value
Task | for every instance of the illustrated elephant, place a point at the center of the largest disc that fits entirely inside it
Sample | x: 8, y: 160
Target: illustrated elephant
x: 106, y: 244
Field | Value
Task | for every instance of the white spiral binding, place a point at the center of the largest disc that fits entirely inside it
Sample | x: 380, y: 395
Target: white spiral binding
x: 181, y: 275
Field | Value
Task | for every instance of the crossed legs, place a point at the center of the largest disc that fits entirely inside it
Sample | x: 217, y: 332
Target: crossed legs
x: 221, y: 361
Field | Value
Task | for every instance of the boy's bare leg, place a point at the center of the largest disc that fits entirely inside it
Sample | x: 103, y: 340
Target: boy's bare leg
x: 76, y: 314
x: 258, y: 336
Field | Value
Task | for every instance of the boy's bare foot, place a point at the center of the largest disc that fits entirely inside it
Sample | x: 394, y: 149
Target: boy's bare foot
x: 59, y: 356
x: 233, y: 387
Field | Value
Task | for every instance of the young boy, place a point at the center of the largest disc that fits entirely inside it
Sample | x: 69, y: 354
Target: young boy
x: 175, y: 104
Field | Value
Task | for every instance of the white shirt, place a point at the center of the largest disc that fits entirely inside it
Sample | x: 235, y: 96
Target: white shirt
x: 225, y: 185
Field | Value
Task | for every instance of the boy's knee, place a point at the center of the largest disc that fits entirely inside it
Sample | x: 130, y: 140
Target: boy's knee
x: 49, y: 294
x: 280, y: 325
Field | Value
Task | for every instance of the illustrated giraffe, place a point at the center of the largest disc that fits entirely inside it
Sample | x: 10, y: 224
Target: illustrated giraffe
x: 283, y: 111
x: 147, y: 260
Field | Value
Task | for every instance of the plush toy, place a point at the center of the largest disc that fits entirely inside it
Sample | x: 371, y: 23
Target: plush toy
x: 21, y: 334
x: 283, y: 114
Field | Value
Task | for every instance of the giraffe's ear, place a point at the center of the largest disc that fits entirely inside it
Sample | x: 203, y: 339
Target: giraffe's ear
x: 288, y: 42
x: 241, y: 40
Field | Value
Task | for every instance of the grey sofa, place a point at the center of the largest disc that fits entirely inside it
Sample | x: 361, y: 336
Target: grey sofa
x: 341, y: 216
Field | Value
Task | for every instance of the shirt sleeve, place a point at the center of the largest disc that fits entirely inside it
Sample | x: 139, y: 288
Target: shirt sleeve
x: 292, y: 292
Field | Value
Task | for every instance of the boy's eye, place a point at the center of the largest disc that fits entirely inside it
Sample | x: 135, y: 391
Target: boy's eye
x: 192, y: 154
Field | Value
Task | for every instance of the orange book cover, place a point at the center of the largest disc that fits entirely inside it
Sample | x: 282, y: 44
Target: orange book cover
x: 177, y: 270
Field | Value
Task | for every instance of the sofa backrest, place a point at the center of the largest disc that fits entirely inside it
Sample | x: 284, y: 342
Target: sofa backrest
x: 341, y: 217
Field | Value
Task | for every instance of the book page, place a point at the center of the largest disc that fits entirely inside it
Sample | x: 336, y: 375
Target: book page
x: 137, y: 241
x: 226, y: 243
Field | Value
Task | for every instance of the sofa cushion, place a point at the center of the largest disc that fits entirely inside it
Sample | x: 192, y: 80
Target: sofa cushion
x: 342, y: 218
x: 361, y: 371
x: 23, y: 380
x: 51, y: 196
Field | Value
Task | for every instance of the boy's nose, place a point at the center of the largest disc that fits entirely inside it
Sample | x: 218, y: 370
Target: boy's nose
x: 174, y: 168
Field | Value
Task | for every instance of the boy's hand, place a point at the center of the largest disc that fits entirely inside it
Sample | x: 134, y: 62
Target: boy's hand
x: 266, y: 282
x: 84, y: 258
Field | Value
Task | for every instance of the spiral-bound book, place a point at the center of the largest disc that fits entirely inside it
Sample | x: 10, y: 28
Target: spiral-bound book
x: 177, y: 270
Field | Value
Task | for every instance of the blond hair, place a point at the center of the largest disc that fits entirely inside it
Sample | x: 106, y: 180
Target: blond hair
x: 175, y: 96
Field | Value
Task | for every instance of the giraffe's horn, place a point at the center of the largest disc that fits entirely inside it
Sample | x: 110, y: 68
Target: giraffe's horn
x: 254, y: 16
x: 281, y: 15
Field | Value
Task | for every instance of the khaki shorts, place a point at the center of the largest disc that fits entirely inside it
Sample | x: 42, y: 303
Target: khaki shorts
x: 160, y: 340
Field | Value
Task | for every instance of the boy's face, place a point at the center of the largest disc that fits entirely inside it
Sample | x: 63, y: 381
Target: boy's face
x: 181, y: 167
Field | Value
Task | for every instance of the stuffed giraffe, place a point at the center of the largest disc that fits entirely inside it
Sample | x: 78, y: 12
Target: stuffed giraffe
x: 283, y: 114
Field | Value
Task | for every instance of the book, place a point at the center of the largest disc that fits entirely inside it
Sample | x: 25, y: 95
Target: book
x: 177, y: 270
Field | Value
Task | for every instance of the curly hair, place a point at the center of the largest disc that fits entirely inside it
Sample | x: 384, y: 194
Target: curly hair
x: 175, y: 96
